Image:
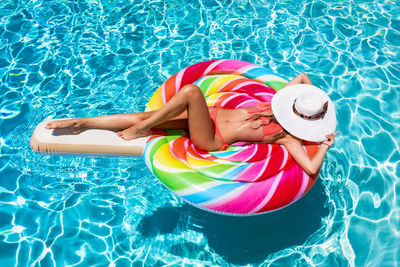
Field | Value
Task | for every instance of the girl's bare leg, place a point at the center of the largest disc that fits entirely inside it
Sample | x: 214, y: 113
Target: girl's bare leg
x: 190, y: 99
x: 116, y: 122
x: 110, y: 122
x: 187, y: 109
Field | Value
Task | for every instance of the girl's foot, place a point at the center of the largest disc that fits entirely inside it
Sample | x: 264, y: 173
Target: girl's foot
x: 132, y: 133
x: 75, y: 125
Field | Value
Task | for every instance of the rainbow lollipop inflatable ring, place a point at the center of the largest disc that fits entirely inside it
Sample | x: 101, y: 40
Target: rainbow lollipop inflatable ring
x: 245, y: 179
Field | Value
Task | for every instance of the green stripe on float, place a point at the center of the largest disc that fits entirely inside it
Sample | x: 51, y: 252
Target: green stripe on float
x: 179, y: 181
x: 277, y: 85
x: 205, y: 84
x: 219, y: 168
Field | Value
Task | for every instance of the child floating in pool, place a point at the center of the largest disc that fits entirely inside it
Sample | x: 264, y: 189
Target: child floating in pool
x: 299, y: 111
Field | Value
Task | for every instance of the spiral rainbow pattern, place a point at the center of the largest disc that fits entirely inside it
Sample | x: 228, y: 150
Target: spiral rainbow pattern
x: 242, y: 180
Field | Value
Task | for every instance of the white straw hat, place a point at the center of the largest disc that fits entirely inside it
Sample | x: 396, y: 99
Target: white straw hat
x: 305, y: 111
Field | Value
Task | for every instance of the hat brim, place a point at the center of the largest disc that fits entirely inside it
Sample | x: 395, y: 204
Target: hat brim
x: 310, y: 130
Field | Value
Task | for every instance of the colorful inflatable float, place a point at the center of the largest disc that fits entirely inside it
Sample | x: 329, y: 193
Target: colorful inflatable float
x: 245, y: 179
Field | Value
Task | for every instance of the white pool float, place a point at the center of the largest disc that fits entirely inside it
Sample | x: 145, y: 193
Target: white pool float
x: 91, y: 141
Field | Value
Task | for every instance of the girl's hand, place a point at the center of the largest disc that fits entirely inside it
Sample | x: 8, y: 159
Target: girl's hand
x: 331, y: 139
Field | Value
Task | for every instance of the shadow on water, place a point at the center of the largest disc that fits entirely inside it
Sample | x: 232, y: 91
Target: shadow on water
x: 243, y: 240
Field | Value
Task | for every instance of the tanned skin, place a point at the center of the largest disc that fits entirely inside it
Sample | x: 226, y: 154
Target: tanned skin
x: 188, y: 110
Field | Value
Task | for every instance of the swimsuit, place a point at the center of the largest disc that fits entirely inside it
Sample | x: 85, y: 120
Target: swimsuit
x: 213, y: 115
x: 269, y: 126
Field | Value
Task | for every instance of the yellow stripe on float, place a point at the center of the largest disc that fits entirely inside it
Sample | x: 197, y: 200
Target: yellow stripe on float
x: 164, y: 156
x: 218, y: 83
x: 155, y: 101
x: 194, y: 161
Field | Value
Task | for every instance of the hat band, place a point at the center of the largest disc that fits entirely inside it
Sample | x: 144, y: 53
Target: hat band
x: 313, y: 117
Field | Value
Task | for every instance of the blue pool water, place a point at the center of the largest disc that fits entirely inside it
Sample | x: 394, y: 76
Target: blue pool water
x: 79, y: 58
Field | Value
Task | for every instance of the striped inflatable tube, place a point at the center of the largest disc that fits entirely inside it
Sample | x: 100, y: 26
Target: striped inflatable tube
x: 246, y: 178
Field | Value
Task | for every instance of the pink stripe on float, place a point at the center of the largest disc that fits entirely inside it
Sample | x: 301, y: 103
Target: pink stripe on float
x: 303, y: 186
x: 266, y: 98
x: 270, y: 194
x: 248, y: 174
x: 255, y: 150
x: 212, y: 66
x: 228, y: 99
x: 266, y: 163
x: 247, y: 201
x: 284, y: 191
x: 245, y: 103
x: 264, y: 94
x: 237, y: 100
x: 242, y: 85
x: 285, y: 157
x: 259, y: 85
x: 178, y: 80
x: 246, y: 68
x: 233, y: 157
x: 269, y: 89
x: 239, y: 156
x: 287, y: 190
x: 305, y: 181
x: 231, y: 66
x: 257, y: 169
x: 163, y: 96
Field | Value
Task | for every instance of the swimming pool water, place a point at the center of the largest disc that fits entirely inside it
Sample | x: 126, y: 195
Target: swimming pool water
x: 70, y: 58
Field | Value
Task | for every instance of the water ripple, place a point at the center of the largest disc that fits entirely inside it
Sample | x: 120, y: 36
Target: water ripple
x: 89, y: 58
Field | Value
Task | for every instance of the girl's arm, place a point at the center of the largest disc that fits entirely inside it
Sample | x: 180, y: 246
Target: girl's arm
x: 310, y: 165
x: 302, y: 78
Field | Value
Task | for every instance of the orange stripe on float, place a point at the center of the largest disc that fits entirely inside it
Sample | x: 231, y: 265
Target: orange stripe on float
x: 170, y: 89
x: 233, y: 84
